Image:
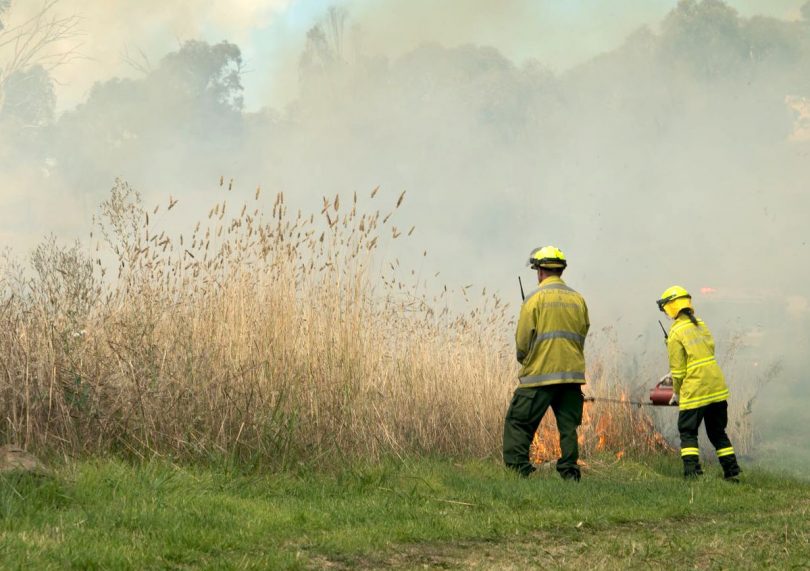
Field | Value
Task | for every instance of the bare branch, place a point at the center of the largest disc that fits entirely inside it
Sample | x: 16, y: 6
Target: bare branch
x: 41, y: 39
x: 139, y: 62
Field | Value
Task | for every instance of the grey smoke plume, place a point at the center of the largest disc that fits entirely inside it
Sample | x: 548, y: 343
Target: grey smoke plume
x: 680, y: 156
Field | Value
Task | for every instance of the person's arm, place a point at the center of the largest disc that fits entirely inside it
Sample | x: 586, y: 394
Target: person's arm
x: 587, y: 320
x: 677, y: 363
x: 525, y: 333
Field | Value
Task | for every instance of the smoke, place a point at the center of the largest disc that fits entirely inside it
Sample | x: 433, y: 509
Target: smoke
x: 669, y: 146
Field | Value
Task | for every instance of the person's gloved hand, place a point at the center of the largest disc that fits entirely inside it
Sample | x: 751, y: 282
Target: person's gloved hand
x: 666, y: 380
x: 673, y: 399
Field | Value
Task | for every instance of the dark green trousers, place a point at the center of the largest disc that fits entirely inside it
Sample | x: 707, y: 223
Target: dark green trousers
x: 715, y: 417
x: 524, y: 415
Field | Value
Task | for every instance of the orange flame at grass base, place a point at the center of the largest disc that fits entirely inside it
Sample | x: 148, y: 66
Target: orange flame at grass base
x: 614, y: 427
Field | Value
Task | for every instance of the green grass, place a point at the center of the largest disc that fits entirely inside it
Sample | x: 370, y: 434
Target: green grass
x: 111, y: 515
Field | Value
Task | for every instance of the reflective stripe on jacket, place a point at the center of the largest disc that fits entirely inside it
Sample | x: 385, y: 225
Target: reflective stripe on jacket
x: 550, y: 335
x: 696, y: 376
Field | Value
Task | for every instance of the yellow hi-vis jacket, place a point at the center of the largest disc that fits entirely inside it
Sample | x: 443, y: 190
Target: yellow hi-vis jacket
x: 550, y: 336
x: 696, y: 376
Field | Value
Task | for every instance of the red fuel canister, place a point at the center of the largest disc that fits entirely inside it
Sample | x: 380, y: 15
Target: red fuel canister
x: 660, y: 395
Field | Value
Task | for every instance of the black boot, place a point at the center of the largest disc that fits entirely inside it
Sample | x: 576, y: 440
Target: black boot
x: 731, y: 470
x: 570, y: 474
x: 691, y: 467
x: 523, y: 470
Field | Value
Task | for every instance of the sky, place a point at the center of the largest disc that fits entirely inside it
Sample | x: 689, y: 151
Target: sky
x: 271, y: 33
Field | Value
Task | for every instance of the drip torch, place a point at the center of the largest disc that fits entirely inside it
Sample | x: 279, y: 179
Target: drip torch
x: 660, y: 395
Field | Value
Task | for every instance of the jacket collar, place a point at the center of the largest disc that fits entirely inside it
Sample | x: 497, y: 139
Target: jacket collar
x: 552, y: 280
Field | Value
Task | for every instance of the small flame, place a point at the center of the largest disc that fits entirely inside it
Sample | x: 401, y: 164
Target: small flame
x: 611, y: 427
x: 708, y: 290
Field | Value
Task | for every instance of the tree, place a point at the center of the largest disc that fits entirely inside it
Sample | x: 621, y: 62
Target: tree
x: 187, y: 107
x: 198, y: 87
x: 4, y: 6
x: 202, y: 72
x: 325, y: 42
x: 705, y: 38
x: 36, y: 40
x: 29, y: 98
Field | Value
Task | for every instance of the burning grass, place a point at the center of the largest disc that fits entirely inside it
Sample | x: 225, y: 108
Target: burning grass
x: 277, y: 339
x: 613, y: 423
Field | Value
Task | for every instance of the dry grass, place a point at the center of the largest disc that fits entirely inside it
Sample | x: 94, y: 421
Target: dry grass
x: 274, y: 339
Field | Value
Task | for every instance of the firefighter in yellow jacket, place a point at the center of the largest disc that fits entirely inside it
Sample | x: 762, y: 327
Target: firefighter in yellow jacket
x: 699, y: 387
x: 550, y: 340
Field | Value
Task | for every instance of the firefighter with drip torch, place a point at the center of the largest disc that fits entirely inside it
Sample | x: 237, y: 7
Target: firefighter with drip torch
x: 550, y: 340
x: 699, y: 387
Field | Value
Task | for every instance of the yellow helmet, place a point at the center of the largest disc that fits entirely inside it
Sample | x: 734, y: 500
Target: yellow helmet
x: 673, y: 300
x: 547, y: 257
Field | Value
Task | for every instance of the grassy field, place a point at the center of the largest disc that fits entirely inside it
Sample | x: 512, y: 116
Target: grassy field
x: 474, y: 515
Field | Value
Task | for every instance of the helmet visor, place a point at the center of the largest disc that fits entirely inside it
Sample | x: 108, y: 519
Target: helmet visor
x: 665, y: 300
x: 532, y: 260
